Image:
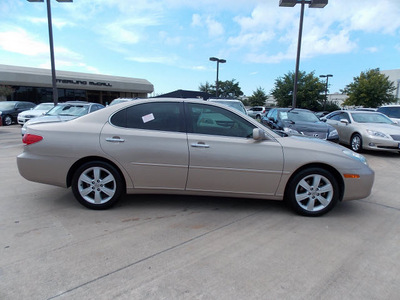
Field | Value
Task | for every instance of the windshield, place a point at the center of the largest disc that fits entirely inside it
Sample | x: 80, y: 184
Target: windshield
x: 298, y: 116
x: 68, y: 110
x: 371, y: 118
x: 6, y: 105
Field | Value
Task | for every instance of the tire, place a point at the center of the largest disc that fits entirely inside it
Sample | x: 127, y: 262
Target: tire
x: 258, y: 118
x: 97, y: 185
x: 356, y: 143
x: 7, y: 120
x: 312, y: 192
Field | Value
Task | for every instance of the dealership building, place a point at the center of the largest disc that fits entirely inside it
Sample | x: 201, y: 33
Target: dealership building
x: 35, y: 85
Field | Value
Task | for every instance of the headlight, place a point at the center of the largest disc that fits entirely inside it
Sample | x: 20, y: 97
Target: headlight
x: 377, y: 133
x: 333, y: 133
x: 356, y: 156
x: 290, y: 130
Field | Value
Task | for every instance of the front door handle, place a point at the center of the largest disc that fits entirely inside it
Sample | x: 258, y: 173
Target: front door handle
x: 115, y: 139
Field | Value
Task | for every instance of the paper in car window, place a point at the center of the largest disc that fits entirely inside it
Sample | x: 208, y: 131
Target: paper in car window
x: 148, y: 118
x: 284, y: 115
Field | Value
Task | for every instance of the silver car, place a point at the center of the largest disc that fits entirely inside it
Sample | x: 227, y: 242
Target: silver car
x: 365, y: 130
x: 189, y: 147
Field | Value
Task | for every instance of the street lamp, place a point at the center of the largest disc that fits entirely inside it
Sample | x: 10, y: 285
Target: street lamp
x: 53, y: 68
x: 218, y: 60
x: 326, y: 86
x: 311, y: 4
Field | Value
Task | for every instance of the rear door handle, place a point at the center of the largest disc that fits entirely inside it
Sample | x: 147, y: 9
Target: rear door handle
x: 200, y: 145
x: 115, y: 139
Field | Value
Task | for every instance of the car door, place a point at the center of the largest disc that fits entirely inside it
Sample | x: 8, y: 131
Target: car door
x: 150, y: 142
x: 344, y: 129
x: 224, y: 158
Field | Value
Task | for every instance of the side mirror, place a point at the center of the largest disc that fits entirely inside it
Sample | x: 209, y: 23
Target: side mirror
x: 344, y: 121
x: 259, y: 134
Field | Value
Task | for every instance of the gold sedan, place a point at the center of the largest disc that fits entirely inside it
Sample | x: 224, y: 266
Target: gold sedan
x: 191, y: 147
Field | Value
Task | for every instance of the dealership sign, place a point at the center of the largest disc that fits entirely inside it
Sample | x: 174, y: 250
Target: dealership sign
x: 84, y: 82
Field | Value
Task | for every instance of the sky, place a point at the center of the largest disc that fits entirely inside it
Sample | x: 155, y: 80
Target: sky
x: 169, y: 42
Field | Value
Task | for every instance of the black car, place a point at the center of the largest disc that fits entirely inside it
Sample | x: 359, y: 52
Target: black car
x: 9, y: 110
x: 299, y: 122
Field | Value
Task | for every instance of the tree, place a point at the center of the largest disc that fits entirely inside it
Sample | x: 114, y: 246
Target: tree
x: 310, y: 91
x: 207, y: 88
x: 5, y: 91
x: 258, y: 98
x: 226, y: 89
x: 370, y: 89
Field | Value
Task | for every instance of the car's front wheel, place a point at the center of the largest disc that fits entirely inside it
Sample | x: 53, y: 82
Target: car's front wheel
x: 312, y: 192
x: 7, y: 120
x: 97, y: 185
x: 356, y: 143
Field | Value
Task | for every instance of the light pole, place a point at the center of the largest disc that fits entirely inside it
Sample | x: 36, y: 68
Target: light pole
x: 311, y: 4
x: 326, y: 87
x: 53, y: 67
x: 218, y: 60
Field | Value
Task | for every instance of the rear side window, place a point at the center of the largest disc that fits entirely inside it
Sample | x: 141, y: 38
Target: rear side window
x: 151, y: 116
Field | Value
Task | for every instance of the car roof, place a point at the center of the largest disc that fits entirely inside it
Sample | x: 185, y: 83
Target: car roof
x: 291, y: 109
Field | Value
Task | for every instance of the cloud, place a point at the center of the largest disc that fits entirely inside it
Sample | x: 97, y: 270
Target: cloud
x: 151, y: 59
x: 214, y: 27
x: 21, y: 42
x: 56, y: 22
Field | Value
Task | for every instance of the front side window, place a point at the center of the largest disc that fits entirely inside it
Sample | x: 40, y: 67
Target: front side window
x: 151, y: 116
x: 340, y: 116
x: 207, y: 119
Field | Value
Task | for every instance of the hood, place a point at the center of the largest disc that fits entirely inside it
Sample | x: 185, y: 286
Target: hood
x: 391, y: 129
x: 302, y: 126
x: 33, y: 112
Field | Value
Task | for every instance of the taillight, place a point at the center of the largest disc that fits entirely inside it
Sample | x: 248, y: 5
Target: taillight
x: 31, y: 138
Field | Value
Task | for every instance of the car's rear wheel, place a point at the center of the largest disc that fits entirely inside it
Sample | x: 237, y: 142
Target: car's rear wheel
x: 356, y: 143
x: 312, y: 192
x: 97, y: 185
x: 7, y: 120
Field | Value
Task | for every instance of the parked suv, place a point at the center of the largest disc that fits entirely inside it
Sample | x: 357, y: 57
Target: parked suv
x: 392, y: 111
x: 257, y: 112
x: 9, y: 110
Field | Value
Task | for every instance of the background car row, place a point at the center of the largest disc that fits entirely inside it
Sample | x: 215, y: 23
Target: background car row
x: 63, y: 112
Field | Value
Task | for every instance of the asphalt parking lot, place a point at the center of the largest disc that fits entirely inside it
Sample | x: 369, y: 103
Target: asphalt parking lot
x: 175, y: 247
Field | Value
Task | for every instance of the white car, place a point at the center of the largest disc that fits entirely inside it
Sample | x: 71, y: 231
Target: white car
x: 37, y: 111
x: 392, y: 111
x: 236, y: 104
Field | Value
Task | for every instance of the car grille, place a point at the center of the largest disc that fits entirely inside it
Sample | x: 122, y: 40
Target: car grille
x: 396, y: 137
